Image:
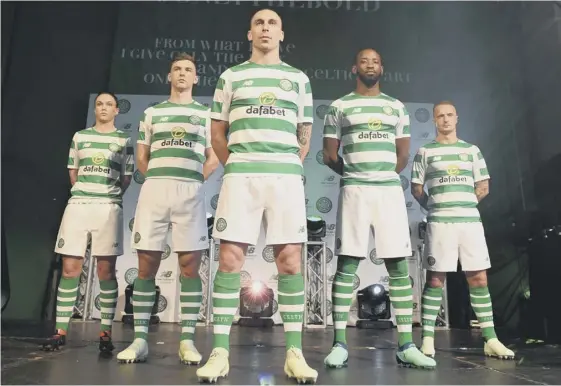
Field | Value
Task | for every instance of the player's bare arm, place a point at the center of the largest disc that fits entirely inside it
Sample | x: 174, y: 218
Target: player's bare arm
x: 219, y: 141
x: 304, y: 134
x: 402, y: 148
x: 210, y: 164
x: 142, y: 157
x: 125, y: 183
x: 73, y: 176
x: 481, y: 189
x: 418, y: 191
x: 331, y: 155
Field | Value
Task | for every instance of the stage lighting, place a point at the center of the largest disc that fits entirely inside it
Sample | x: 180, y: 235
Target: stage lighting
x: 256, y: 305
x: 209, y: 224
x: 128, y: 317
x: 374, y: 307
x: 316, y: 228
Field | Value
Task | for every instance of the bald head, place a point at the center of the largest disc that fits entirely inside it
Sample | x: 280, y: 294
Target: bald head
x: 264, y: 15
x: 265, y: 32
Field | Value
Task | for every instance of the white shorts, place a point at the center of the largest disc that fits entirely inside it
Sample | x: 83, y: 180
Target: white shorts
x: 90, y: 218
x: 166, y: 201
x: 446, y: 242
x: 245, y: 202
x: 379, y: 210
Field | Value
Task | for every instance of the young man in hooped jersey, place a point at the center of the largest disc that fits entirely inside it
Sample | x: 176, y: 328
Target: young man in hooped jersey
x: 267, y: 107
x: 174, y: 154
x: 373, y: 129
x: 100, y: 163
x: 457, y: 179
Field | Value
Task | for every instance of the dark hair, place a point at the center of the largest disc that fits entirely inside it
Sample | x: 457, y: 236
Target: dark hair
x: 107, y: 93
x: 182, y: 56
x: 366, y: 49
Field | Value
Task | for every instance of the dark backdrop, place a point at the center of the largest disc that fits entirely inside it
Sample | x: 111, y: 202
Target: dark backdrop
x: 495, y: 60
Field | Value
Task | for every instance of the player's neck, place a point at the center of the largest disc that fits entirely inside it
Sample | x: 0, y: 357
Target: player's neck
x: 181, y: 97
x: 104, y: 127
x: 271, y: 57
x: 362, y: 89
x: 447, y: 139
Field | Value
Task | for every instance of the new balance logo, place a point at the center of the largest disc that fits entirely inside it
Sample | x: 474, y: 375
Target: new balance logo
x: 248, y: 83
x: 357, y: 110
x: 202, y: 238
x: 87, y: 144
x: 164, y: 119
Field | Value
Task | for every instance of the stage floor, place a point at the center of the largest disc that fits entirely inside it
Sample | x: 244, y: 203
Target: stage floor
x: 257, y: 352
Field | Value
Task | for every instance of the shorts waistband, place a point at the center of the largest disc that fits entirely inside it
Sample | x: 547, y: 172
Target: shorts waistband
x: 94, y: 201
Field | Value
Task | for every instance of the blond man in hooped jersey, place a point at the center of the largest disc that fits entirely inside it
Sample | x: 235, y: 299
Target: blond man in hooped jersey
x: 266, y: 106
x: 100, y: 164
x: 373, y: 130
x: 457, y: 179
x: 174, y: 154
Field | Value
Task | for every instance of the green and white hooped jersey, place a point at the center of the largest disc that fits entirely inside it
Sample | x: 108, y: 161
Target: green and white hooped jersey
x: 263, y: 105
x: 450, y: 172
x: 368, y: 127
x: 102, y: 159
x: 178, y: 136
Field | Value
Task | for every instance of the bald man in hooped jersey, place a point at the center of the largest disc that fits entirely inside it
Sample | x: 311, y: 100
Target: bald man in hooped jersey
x: 266, y: 106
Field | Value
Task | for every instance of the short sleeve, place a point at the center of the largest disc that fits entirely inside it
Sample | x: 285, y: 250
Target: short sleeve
x: 480, y: 172
x: 305, y: 101
x: 332, y: 122
x: 222, y: 98
x: 145, y: 129
x: 403, y: 130
x: 128, y: 160
x: 419, y: 167
x: 73, y: 158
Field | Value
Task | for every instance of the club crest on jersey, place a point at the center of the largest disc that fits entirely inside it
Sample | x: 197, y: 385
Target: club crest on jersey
x: 374, y: 124
x: 464, y: 157
x: 286, y: 85
x: 178, y: 132
x: 194, y: 120
x: 115, y: 148
x: 388, y: 110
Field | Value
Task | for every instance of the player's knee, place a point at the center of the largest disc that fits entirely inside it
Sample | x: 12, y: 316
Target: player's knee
x: 71, y: 266
x: 232, y: 256
x: 436, y: 279
x: 189, y: 264
x: 148, y: 264
x: 106, y: 269
x: 288, y: 258
x: 477, y: 278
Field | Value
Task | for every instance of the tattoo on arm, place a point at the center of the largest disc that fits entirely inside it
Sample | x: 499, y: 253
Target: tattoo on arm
x: 303, y: 133
x: 481, y: 189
